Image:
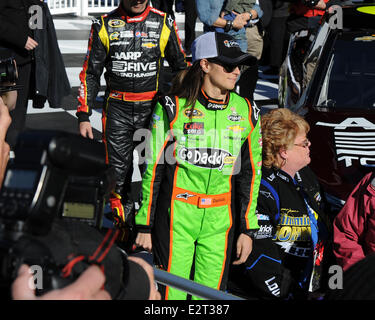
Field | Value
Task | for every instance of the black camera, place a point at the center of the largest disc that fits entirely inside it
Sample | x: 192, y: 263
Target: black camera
x: 51, y: 210
x: 54, y: 174
x: 8, y: 75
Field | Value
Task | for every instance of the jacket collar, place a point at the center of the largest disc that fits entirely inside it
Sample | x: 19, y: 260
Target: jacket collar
x: 211, y: 103
x: 274, y: 172
x: 297, y: 180
x: 283, y: 175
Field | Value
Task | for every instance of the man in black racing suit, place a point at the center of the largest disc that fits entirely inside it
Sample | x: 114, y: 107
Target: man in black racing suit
x: 130, y: 43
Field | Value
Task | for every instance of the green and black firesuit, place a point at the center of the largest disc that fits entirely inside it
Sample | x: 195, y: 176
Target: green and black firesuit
x: 202, y: 176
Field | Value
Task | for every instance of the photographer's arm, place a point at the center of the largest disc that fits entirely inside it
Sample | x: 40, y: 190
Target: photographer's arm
x: 157, y: 156
x: 154, y: 294
x: 10, y: 99
x: 4, y: 158
x: 87, y: 287
x: 5, y: 121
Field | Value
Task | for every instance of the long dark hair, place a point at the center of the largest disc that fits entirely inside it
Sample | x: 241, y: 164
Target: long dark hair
x: 188, y: 83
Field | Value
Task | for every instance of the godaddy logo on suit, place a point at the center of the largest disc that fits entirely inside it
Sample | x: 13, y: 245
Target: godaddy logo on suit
x: 225, y: 155
x: 210, y: 158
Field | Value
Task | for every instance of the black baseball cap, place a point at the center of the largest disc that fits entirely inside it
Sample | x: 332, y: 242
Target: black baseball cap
x: 222, y: 47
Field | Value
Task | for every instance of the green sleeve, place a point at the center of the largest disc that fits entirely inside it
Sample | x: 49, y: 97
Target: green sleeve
x: 155, y: 162
x: 256, y: 160
x: 248, y: 180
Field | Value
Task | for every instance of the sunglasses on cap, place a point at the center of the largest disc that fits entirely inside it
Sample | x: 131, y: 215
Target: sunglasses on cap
x: 227, y: 67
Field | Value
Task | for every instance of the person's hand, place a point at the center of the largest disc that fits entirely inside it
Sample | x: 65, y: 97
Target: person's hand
x: 5, y: 121
x: 244, y: 248
x: 240, y: 20
x: 31, y: 44
x: 144, y: 240
x: 154, y: 293
x: 321, y: 5
x: 85, y: 130
x: 254, y: 14
x: 4, y: 158
x: 89, y: 286
x: 246, y: 15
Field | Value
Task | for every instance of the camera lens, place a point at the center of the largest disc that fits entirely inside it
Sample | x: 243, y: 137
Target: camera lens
x: 8, y: 71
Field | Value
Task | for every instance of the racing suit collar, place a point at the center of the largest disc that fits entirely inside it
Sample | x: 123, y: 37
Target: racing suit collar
x: 272, y: 172
x: 212, y: 103
x: 297, y: 180
x: 133, y: 19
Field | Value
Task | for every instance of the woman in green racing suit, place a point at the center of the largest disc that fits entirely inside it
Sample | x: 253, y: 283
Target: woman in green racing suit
x: 201, y: 184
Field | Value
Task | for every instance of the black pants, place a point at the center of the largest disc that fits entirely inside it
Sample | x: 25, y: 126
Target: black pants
x: 277, y: 36
x: 190, y: 20
x: 19, y: 113
x: 121, y: 119
x: 248, y: 82
x: 274, y: 22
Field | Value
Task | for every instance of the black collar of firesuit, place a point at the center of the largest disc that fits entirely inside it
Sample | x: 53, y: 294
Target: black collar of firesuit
x: 296, y: 181
x: 211, y: 103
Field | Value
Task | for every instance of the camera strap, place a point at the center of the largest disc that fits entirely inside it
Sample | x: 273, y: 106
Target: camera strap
x: 97, y: 257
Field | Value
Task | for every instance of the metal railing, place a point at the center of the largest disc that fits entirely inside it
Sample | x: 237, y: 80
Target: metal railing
x: 81, y: 8
x: 191, y: 287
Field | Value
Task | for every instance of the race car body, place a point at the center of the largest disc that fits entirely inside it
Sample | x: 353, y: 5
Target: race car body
x: 337, y: 98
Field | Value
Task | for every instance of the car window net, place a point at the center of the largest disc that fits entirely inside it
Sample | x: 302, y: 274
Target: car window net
x: 350, y: 78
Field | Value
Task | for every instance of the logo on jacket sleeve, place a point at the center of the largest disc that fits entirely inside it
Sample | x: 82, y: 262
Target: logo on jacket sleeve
x: 96, y: 21
x: 256, y: 111
x: 170, y: 21
x: 170, y: 104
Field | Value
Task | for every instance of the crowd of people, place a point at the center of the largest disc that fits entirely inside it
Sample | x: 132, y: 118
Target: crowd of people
x: 228, y: 199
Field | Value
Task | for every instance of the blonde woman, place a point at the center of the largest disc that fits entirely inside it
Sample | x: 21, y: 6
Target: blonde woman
x: 288, y: 248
